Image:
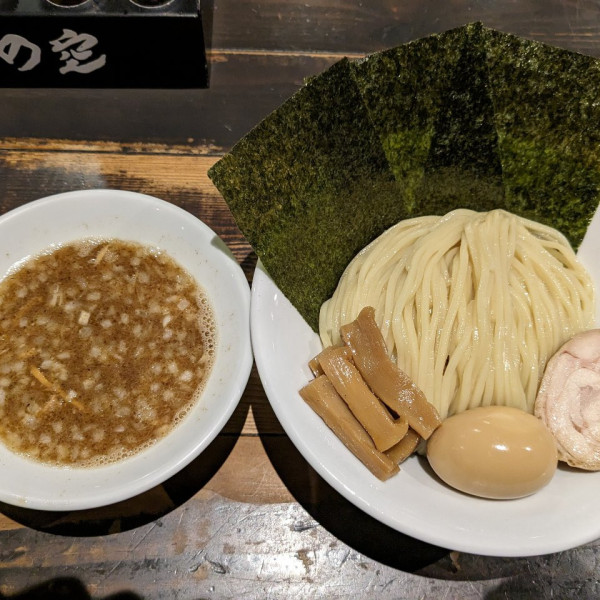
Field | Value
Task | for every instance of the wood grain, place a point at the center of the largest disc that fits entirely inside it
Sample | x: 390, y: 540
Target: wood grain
x: 261, y: 52
x: 249, y: 518
x: 359, y: 27
x: 245, y: 87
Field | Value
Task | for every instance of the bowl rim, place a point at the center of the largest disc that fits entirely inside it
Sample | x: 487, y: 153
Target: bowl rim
x: 195, y: 246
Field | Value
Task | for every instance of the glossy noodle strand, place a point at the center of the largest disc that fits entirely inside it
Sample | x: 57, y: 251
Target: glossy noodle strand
x: 471, y: 305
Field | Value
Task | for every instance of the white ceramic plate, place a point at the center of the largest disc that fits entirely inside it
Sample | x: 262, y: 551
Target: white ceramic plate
x: 33, y: 227
x: 563, y: 515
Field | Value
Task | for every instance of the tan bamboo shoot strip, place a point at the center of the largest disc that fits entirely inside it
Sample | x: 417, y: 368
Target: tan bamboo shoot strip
x: 315, y: 366
x: 405, y: 447
x: 322, y: 397
x: 370, y: 412
x: 394, y: 387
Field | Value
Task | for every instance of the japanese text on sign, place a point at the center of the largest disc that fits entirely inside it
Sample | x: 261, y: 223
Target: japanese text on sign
x: 75, y: 52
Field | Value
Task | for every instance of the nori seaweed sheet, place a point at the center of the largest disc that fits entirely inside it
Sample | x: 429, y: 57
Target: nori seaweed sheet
x: 463, y: 168
x: 310, y: 187
x: 402, y: 90
x: 429, y: 101
x: 470, y: 118
x: 547, y: 115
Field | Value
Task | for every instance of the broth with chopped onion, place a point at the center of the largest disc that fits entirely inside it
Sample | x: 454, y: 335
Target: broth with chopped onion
x: 104, y: 346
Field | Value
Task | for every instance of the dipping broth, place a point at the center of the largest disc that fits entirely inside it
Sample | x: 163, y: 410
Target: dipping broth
x: 104, y: 347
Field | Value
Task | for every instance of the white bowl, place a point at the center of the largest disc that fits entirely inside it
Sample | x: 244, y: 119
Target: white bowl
x: 562, y: 515
x: 34, y: 227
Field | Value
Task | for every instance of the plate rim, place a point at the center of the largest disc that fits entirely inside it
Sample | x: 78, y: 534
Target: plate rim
x: 262, y: 283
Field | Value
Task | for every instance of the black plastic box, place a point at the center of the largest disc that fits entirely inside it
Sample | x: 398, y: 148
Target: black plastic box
x: 102, y: 44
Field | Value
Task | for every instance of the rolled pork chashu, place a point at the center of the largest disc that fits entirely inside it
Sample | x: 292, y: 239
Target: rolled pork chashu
x: 569, y: 400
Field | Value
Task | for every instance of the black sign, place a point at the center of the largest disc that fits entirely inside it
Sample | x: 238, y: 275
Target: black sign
x: 115, y: 43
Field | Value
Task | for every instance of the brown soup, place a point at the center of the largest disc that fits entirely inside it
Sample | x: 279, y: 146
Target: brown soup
x: 104, y: 347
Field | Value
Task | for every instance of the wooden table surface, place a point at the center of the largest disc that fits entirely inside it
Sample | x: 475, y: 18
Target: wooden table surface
x: 249, y: 518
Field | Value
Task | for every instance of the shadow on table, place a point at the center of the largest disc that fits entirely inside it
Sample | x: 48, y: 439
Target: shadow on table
x: 63, y: 588
x: 145, y: 507
x: 340, y: 517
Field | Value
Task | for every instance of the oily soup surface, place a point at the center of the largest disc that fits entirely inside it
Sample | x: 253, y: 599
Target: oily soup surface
x: 104, y: 347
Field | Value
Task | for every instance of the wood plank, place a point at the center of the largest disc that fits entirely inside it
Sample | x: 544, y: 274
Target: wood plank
x: 261, y: 53
x: 237, y: 468
x: 245, y: 87
x: 248, y: 518
x: 254, y: 415
x: 181, y: 179
x: 305, y: 541
x: 246, y: 512
x: 360, y: 27
x: 64, y: 145
x: 212, y: 547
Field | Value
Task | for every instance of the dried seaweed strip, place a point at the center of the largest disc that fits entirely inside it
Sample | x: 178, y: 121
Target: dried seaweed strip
x: 469, y: 118
x: 310, y: 186
x: 547, y: 114
x: 463, y: 168
x: 430, y: 104
x: 401, y: 89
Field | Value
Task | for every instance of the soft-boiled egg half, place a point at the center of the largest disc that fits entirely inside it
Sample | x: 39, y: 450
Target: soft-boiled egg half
x: 493, y: 452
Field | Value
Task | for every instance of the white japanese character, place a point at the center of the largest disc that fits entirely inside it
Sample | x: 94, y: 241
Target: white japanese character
x: 74, y: 48
x: 10, y: 45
